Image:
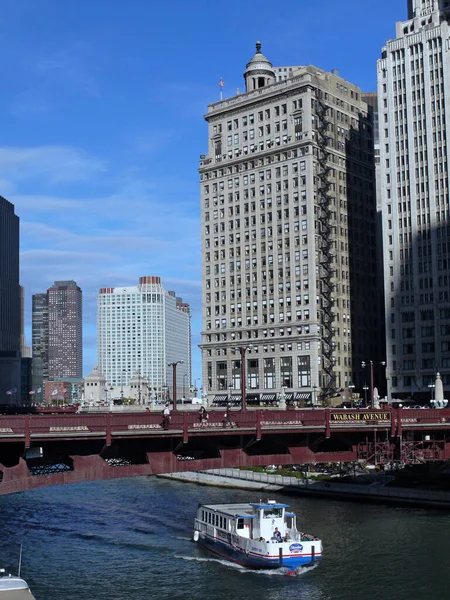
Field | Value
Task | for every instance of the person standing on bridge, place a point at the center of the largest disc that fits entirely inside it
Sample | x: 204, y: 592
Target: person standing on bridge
x: 203, y: 415
x: 166, y: 417
x: 228, y: 421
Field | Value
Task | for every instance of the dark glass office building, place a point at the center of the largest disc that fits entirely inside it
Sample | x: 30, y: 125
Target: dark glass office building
x: 9, y: 305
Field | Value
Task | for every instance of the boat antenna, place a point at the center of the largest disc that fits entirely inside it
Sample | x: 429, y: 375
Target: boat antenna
x: 20, y: 560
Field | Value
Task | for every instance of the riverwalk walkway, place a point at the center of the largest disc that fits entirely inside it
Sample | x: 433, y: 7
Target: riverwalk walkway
x: 375, y: 492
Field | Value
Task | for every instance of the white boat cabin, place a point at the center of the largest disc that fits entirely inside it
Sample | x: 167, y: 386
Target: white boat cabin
x: 254, y: 520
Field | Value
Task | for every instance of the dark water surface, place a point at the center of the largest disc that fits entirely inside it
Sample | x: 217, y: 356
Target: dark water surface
x: 130, y: 539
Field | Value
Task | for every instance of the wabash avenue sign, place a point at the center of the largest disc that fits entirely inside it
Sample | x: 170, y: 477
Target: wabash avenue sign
x: 359, y: 417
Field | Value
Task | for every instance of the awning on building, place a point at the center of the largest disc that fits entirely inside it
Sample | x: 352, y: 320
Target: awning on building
x: 289, y: 396
x: 236, y: 397
x: 268, y: 397
x: 220, y: 398
x: 303, y: 396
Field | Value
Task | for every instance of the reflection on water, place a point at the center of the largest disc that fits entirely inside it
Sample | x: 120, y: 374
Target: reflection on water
x: 131, y: 538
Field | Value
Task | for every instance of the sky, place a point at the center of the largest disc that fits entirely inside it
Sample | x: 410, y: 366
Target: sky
x: 101, y: 125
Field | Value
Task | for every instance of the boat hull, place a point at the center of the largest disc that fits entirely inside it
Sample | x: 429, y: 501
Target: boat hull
x: 254, y: 559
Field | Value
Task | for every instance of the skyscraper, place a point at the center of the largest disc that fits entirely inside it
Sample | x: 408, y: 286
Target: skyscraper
x: 288, y: 236
x: 57, y: 330
x: 65, y: 331
x: 414, y: 110
x: 39, y: 361
x: 9, y: 278
x: 9, y: 304
x: 140, y: 330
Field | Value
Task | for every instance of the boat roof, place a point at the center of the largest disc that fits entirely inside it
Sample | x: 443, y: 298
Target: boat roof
x: 14, y: 588
x: 268, y: 505
x: 244, y: 511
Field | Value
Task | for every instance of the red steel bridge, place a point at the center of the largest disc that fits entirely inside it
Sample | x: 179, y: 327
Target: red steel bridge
x: 40, y: 450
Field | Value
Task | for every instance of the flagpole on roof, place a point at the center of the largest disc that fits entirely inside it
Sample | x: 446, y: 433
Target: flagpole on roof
x: 221, y: 84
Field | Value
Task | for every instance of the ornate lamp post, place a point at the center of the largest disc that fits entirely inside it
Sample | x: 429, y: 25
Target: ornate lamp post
x: 432, y: 386
x: 184, y: 388
x: 242, y: 351
x: 174, y: 381
x: 371, y: 363
x: 314, y: 395
x: 365, y: 388
x: 121, y: 385
x: 351, y: 387
x: 139, y: 385
x: 230, y: 388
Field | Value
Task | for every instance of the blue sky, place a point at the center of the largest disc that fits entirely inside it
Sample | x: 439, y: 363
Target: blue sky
x: 101, y: 124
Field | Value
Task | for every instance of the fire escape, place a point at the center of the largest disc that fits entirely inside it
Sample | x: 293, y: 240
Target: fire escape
x: 325, y: 246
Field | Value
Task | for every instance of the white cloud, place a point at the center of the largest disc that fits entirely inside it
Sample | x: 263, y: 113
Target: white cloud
x: 139, y: 226
x: 53, y: 164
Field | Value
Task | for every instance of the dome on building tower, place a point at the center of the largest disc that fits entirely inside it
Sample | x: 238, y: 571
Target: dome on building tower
x: 259, y: 71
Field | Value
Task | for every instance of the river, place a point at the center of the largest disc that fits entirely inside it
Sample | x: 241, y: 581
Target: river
x: 130, y: 539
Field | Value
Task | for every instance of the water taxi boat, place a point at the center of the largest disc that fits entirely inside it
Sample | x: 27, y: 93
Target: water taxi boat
x: 13, y: 588
x: 257, y: 535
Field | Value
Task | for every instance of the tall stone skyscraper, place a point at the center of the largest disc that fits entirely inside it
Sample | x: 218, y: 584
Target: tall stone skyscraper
x: 57, y: 335
x: 65, y: 331
x: 10, y: 318
x: 414, y: 112
x: 288, y: 237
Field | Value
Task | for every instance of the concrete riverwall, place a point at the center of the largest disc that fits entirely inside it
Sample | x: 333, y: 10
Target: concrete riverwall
x: 291, y: 485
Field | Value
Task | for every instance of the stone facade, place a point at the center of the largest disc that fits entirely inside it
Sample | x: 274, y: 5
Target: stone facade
x: 262, y: 248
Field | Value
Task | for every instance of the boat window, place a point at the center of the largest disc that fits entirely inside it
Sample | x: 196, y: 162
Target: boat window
x: 221, y: 522
x: 271, y: 513
x: 240, y: 524
x: 225, y: 523
x: 209, y: 518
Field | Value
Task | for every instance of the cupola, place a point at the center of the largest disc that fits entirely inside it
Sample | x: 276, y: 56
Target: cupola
x: 259, y: 72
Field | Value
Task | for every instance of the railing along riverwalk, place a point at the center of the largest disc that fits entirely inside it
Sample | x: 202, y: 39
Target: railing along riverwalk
x: 374, y: 491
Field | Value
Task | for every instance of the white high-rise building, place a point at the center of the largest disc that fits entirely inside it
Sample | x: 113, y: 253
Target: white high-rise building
x: 414, y: 110
x: 141, y: 330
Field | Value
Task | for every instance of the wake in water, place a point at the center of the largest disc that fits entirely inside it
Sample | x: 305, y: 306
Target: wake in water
x: 299, y: 571
x: 220, y: 561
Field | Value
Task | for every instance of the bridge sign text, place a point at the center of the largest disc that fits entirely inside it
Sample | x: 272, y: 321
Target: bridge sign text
x: 358, y: 417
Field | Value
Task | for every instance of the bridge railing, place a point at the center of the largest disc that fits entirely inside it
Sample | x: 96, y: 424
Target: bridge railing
x: 424, y: 415
x: 111, y: 423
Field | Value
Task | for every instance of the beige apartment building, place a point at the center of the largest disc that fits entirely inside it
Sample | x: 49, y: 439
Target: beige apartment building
x: 288, y: 211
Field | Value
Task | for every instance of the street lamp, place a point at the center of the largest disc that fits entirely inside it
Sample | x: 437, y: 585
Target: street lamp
x: 230, y: 387
x: 184, y: 387
x: 351, y: 387
x: 139, y: 385
x: 365, y: 388
x: 174, y: 381
x: 371, y: 363
x: 432, y: 386
x: 242, y: 351
x: 121, y: 385
x: 314, y: 394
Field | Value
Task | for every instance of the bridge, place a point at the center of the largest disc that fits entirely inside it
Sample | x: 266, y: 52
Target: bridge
x: 41, y: 450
